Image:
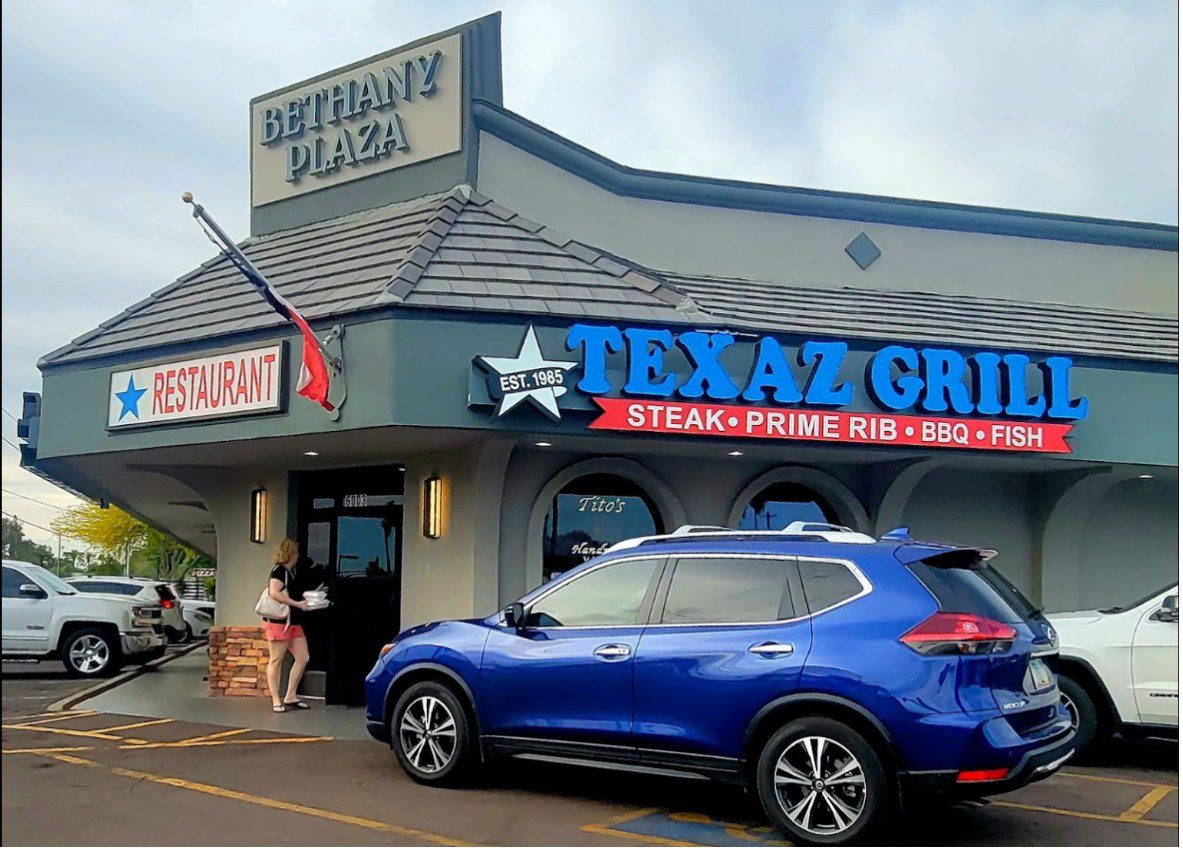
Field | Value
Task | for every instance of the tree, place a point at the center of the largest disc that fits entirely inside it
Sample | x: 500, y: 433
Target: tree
x: 120, y: 538
x: 21, y: 548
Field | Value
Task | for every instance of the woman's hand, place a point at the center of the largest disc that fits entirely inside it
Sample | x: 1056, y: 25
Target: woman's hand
x: 301, y: 604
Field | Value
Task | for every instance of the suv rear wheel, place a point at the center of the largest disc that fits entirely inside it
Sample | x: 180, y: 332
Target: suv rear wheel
x: 1082, y: 710
x: 820, y: 782
x: 90, y: 652
x: 431, y: 736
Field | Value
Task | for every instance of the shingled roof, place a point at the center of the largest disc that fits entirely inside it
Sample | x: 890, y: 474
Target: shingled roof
x: 462, y: 251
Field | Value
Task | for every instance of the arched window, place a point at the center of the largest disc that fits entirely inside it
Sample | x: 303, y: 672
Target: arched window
x: 784, y: 502
x: 590, y: 514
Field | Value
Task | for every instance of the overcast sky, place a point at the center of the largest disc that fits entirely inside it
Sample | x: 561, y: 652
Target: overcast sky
x: 111, y: 109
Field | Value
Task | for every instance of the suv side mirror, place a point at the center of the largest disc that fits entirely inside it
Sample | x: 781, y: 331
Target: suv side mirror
x: 32, y: 591
x: 1169, y: 612
x: 515, y: 616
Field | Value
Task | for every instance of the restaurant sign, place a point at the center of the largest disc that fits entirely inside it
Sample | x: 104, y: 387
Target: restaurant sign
x: 231, y: 384
x: 677, y: 383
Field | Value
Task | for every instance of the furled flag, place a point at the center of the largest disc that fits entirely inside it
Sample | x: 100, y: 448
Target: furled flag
x: 314, y: 366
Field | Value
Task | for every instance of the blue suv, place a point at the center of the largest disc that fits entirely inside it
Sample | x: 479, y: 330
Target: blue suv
x: 833, y: 674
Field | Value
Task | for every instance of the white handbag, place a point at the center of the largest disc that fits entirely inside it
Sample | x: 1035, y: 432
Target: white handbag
x: 271, y: 608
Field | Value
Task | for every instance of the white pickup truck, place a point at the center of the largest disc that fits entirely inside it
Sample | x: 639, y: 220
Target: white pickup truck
x: 1119, y: 668
x: 93, y: 634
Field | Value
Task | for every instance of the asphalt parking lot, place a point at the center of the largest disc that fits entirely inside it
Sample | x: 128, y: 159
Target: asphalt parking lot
x: 92, y: 778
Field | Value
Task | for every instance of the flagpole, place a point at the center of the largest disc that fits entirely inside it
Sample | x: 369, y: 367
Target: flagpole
x: 229, y: 247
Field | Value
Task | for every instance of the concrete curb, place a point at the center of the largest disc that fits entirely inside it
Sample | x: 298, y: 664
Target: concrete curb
x: 66, y: 703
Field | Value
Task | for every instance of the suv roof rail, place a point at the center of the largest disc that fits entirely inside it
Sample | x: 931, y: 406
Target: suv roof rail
x: 821, y: 531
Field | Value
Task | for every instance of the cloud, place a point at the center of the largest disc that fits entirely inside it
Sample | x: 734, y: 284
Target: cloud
x: 110, y: 110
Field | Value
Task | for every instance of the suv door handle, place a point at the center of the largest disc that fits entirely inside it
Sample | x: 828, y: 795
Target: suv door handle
x: 769, y: 649
x: 613, y: 651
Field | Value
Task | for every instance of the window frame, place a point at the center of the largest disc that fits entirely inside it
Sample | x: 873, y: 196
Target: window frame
x: 644, y: 613
x: 25, y: 580
x: 850, y: 566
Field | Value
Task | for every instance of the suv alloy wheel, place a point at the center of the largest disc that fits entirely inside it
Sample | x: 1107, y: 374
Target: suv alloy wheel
x: 430, y: 734
x: 820, y: 782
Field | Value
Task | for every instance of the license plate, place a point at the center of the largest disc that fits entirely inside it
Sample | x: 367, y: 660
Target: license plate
x: 1041, y: 675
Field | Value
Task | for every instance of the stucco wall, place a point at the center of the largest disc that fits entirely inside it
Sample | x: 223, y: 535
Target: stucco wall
x: 806, y: 250
x: 1129, y: 544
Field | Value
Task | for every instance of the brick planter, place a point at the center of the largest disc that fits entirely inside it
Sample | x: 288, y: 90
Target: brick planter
x: 237, y: 662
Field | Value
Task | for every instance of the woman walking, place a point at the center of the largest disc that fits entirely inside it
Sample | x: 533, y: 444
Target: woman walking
x: 285, y: 635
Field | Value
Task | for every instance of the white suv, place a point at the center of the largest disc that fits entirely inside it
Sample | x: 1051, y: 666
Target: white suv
x: 144, y: 590
x: 93, y: 634
x: 1119, y: 668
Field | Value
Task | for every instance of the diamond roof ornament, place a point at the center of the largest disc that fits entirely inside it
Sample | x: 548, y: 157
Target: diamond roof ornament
x: 863, y: 251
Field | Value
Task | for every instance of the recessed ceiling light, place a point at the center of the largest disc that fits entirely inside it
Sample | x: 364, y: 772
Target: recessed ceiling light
x: 1145, y: 475
x: 735, y: 454
x: 543, y: 444
x: 311, y: 454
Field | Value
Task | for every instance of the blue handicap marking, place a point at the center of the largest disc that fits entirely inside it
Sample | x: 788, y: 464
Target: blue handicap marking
x: 695, y: 828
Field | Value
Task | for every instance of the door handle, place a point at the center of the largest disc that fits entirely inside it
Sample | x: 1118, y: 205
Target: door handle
x: 613, y: 651
x: 770, y: 649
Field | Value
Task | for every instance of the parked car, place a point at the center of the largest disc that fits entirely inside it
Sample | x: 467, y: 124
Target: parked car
x: 199, y: 616
x: 1119, y: 668
x: 145, y: 589
x: 93, y: 634
x: 832, y: 673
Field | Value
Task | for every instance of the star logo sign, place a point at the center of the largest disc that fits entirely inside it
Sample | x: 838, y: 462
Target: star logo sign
x: 529, y: 376
x: 130, y: 398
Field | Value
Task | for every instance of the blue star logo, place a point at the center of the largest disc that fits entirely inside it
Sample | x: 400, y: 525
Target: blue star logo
x: 130, y: 399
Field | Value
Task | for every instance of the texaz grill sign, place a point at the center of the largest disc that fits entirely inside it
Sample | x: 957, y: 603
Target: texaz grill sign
x: 646, y: 380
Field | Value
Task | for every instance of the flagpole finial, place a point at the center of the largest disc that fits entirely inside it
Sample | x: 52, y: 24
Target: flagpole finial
x: 187, y: 197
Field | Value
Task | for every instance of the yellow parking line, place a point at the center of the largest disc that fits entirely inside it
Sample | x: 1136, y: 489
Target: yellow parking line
x: 1151, y: 799
x: 607, y: 828
x: 215, y: 736
x: 1094, y: 778
x: 139, y: 725
x: 249, y: 741
x: 738, y: 831
x: 56, y: 715
x: 75, y: 733
x: 53, y: 719
x: 45, y: 751
x: 311, y: 811
x: 78, y: 760
x: 1085, y: 815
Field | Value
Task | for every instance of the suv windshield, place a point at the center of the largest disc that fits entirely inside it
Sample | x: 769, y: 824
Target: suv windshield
x: 1121, y: 609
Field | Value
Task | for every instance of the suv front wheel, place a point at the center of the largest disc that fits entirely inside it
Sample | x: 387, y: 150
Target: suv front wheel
x: 430, y: 734
x: 820, y: 782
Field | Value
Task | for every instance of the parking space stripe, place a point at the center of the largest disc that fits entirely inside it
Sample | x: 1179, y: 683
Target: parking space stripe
x: 139, y: 725
x: 214, y: 736
x: 282, y: 805
x: 45, y: 751
x: 57, y: 715
x: 1151, y: 799
x: 1094, y: 778
x: 1085, y: 815
x: 53, y: 719
x: 76, y: 760
x: 75, y: 733
x: 199, y: 743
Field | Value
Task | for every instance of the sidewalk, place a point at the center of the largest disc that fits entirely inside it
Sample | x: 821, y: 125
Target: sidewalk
x: 178, y: 690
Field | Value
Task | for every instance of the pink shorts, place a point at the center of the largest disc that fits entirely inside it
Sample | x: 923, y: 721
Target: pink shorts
x: 281, y: 631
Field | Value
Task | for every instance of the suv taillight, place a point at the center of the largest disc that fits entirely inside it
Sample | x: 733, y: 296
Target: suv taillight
x: 947, y: 633
x: 167, y: 603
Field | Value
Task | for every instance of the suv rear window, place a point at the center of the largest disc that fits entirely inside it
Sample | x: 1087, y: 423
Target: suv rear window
x: 165, y: 592
x: 107, y: 587
x: 827, y: 583
x: 728, y: 590
x: 965, y: 590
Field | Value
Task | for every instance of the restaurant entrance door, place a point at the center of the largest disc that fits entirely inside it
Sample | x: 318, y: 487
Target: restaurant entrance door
x: 350, y: 531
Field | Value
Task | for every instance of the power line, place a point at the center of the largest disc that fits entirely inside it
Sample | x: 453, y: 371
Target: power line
x: 9, y: 415
x: 30, y: 498
x: 11, y: 443
x: 26, y: 522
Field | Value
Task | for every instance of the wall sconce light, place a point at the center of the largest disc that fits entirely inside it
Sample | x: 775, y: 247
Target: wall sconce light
x: 259, y: 516
x: 433, y: 507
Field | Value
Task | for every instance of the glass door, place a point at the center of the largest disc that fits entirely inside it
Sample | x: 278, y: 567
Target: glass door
x: 350, y: 526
